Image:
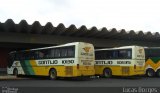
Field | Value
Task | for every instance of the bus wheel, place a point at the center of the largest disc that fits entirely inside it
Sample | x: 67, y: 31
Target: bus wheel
x: 158, y: 73
x: 107, y: 72
x: 150, y: 73
x: 15, y: 72
x: 53, y: 74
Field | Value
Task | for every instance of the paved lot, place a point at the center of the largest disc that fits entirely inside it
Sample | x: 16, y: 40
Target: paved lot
x: 96, y: 82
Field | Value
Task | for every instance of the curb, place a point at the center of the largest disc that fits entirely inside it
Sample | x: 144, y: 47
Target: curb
x: 8, y: 77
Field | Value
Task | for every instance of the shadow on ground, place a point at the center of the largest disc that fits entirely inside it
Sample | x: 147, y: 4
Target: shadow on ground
x: 59, y: 78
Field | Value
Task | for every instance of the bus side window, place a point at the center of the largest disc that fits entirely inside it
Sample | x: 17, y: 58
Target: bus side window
x: 101, y: 55
x: 16, y: 56
x: 104, y: 54
x: 27, y: 55
x: 57, y: 53
x: 41, y: 54
x: 115, y: 54
x: 63, y: 52
x: 97, y: 55
x: 122, y: 54
x: 35, y: 55
x: 71, y: 52
x: 21, y: 56
x: 51, y: 55
x: 129, y: 54
x: 32, y: 55
x: 107, y: 54
x: 125, y: 54
x: 46, y: 53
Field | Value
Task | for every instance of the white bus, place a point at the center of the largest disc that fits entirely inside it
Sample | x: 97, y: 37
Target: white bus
x: 120, y: 61
x: 68, y: 60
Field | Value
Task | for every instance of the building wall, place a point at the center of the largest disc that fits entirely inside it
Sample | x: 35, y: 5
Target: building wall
x: 3, y: 57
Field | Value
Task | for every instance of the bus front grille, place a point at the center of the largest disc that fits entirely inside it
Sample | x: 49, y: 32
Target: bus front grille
x: 69, y: 70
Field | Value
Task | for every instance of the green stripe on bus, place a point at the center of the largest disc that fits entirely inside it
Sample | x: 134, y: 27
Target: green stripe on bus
x: 27, y: 68
x: 155, y: 59
x: 23, y: 66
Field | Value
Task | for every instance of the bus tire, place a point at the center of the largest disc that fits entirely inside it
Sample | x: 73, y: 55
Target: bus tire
x: 158, y: 73
x: 52, y: 74
x: 107, y: 73
x: 150, y: 72
x: 15, y: 72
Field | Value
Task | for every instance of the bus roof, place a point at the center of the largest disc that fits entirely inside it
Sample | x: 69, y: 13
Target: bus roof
x: 123, y: 47
x: 151, y: 47
x: 62, y: 45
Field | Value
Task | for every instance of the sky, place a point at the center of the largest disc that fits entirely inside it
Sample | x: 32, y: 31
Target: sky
x: 137, y: 15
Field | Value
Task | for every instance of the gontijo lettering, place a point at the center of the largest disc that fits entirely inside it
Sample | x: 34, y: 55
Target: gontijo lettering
x: 104, y: 62
x: 47, y: 62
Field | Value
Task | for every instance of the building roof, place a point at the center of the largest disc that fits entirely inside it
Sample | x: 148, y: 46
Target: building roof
x: 73, y: 31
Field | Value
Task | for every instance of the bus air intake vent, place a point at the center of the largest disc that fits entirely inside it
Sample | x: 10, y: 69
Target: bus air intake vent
x: 69, y: 70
